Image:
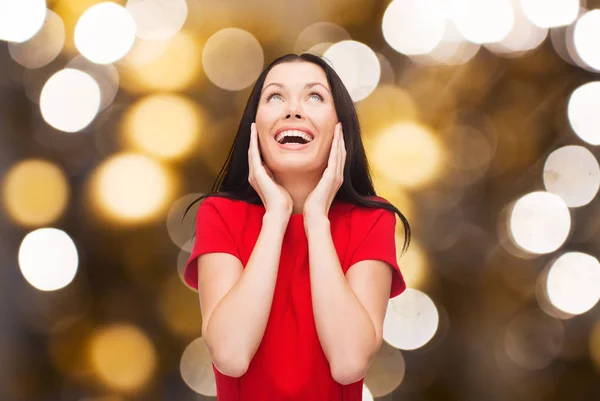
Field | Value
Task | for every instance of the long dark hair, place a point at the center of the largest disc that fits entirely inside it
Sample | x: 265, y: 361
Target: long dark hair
x: 232, y: 181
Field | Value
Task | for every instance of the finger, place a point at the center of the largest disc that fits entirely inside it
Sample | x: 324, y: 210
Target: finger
x: 250, y: 155
x: 331, y: 163
x: 340, y: 168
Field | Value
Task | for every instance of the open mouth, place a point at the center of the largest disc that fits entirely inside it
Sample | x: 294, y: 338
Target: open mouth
x: 293, y: 136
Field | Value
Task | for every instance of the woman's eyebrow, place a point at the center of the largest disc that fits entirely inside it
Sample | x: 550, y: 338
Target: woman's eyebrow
x: 308, y: 85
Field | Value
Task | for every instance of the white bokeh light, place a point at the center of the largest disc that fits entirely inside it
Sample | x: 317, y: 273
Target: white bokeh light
x: 158, y: 19
x: 105, y: 33
x: 20, y: 20
x: 550, y: 13
x: 483, y: 21
x: 196, y: 368
x: 585, y: 38
x: 572, y: 173
x: 48, y: 259
x: 573, y: 282
x: 583, y: 107
x: 540, y: 222
x: 70, y: 100
x: 413, y: 27
x: 357, y: 65
x: 411, y: 320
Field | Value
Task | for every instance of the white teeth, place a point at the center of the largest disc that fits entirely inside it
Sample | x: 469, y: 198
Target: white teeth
x: 301, y: 134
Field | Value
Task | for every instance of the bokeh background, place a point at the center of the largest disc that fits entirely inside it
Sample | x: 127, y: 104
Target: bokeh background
x: 481, y: 121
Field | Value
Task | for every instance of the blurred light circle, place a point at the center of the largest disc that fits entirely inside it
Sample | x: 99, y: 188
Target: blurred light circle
x: 533, y: 339
x: 407, y: 154
x: 48, y: 259
x: 122, y: 356
x: 157, y: 19
x: 163, y: 125
x: 539, y: 222
x: 20, y: 20
x: 595, y: 345
x: 318, y: 34
x: 583, y: 107
x: 182, y: 229
x: 483, y: 21
x: 386, y: 372
x: 585, y: 38
x: 70, y: 100
x: 573, y: 282
x: 196, y: 368
x: 105, y: 75
x: 131, y: 187
x: 35, y: 192
x: 169, y: 65
x: 572, y: 172
x: 357, y: 65
x: 232, y: 59
x: 105, y: 33
x: 43, y: 47
x: 413, y: 26
x: 411, y: 320
x: 551, y: 13
x: 523, y: 37
x: 453, y: 49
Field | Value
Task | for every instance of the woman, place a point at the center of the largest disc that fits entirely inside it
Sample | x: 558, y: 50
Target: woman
x: 294, y: 259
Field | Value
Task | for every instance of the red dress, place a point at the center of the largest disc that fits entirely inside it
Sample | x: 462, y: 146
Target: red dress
x: 289, y: 364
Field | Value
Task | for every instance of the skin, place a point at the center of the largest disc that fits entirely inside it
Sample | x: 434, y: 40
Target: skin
x: 311, y: 176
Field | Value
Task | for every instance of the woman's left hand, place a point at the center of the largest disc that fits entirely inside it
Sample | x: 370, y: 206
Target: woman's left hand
x: 318, y: 202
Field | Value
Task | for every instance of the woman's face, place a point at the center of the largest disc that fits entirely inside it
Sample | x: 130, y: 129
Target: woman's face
x: 296, y: 95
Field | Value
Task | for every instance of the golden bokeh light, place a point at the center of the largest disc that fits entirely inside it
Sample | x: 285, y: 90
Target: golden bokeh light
x: 131, y: 188
x: 232, y: 59
x: 167, y: 126
x: 386, y: 105
x: 319, y: 33
x: 36, y: 192
x: 407, y: 153
x: 122, y: 356
x: 180, y: 309
x: 172, y: 65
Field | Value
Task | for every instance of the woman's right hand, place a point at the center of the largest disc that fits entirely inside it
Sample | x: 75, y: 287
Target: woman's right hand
x: 274, y: 196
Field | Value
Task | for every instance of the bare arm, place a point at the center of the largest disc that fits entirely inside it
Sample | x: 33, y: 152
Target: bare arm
x: 235, y: 328
x: 344, y: 327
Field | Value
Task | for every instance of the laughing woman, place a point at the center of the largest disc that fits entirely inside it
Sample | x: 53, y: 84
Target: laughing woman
x: 294, y: 255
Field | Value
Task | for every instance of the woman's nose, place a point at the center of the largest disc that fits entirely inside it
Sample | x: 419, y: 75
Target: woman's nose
x: 294, y: 112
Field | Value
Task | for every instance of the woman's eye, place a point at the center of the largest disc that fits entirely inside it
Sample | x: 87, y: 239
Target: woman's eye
x: 272, y: 95
x: 317, y: 95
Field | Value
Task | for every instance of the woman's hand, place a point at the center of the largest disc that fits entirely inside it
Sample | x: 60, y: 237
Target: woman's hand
x: 275, y: 198
x: 318, y: 202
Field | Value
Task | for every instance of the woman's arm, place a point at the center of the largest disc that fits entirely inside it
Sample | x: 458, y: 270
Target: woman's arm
x: 344, y: 327
x: 237, y: 324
